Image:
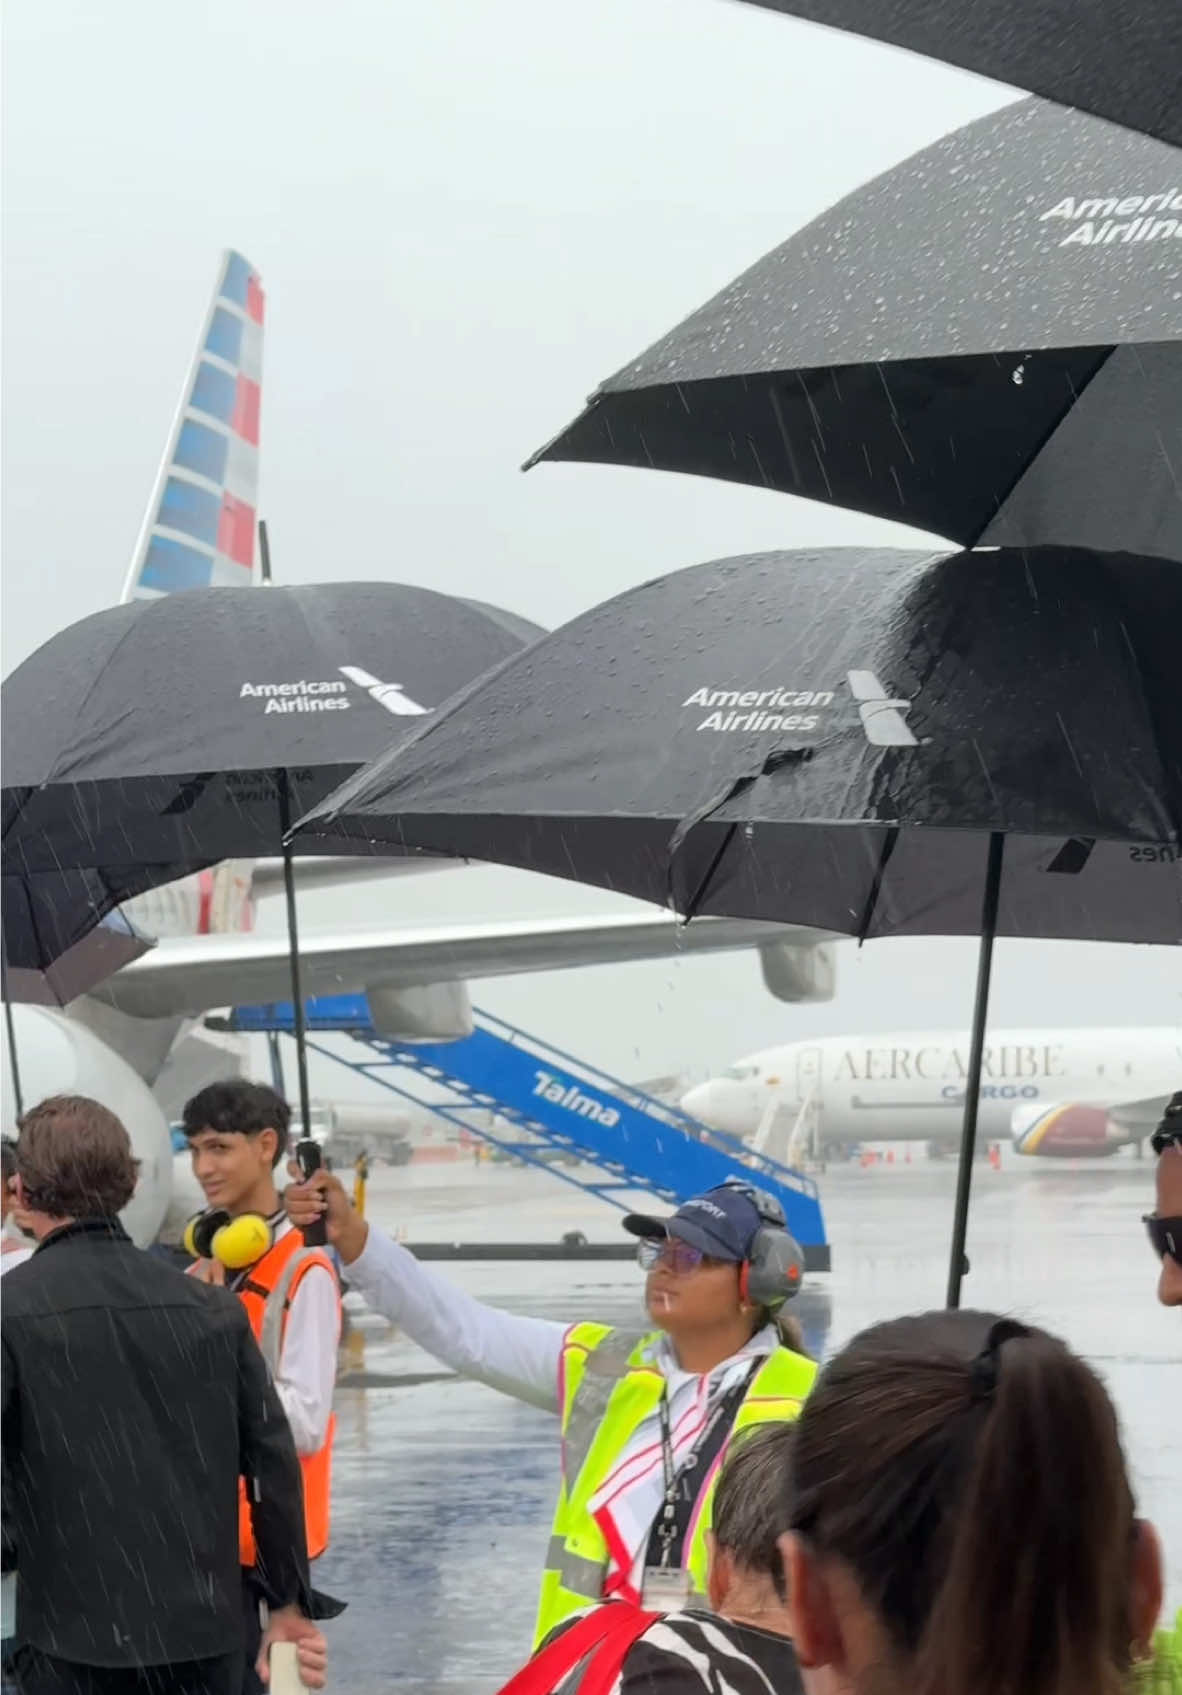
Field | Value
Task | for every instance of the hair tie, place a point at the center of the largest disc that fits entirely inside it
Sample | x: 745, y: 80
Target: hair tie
x: 984, y: 1369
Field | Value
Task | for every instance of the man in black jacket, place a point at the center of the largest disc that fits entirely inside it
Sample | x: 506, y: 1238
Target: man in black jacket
x: 133, y: 1398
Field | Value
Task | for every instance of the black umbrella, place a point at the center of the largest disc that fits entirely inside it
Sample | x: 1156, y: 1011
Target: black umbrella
x: 847, y: 739
x: 64, y: 934
x: 147, y: 741
x: 985, y: 342
x: 1123, y: 63
x: 60, y: 938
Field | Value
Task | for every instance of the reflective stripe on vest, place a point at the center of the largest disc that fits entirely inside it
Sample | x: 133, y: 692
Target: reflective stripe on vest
x: 609, y: 1385
x: 267, y: 1305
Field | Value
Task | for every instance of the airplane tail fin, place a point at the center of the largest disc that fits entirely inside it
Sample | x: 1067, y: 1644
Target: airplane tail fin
x: 199, y: 528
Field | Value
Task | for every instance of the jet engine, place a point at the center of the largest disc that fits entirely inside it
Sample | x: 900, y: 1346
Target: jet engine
x: 57, y: 1056
x: 1067, y: 1130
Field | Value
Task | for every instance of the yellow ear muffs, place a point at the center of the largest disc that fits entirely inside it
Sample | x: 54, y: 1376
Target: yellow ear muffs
x: 199, y: 1232
x: 242, y: 1241
x: 236, y: 1242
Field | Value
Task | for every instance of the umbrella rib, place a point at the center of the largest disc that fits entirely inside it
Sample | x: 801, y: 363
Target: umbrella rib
x: 131, y: 630
x: 703, y: 888
x: 1051, y: 432
x: 890, y: 842
x: 738, y: 786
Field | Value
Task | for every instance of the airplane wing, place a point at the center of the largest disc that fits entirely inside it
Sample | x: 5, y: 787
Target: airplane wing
x: 187, y: 977
x: 1139, y: 1115
x: 329, y: 872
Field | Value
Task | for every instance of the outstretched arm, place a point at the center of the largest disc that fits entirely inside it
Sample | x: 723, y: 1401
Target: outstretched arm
x: 516, y: 1354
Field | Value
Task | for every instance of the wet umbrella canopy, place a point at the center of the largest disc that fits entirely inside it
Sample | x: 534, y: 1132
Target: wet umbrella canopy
x: 63, y: 934
x: 1119, y: 62
x: 876, y: 743
x: 828, y: 738
x: 152, y: 734
x: 985, y: 342
x: 145, y: 742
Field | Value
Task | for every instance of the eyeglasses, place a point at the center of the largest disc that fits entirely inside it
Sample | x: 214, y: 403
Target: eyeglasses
x: 678, y: 1256
x: 1169, y: 1131
x: 1166, y: 1236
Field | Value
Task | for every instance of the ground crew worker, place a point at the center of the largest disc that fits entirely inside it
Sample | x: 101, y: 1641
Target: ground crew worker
x: 1165, y: 1223
x: 646, y: 1416
x: 237, y: 1134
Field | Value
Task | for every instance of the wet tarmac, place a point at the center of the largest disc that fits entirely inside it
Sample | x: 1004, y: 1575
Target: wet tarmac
x: 442, y: 1489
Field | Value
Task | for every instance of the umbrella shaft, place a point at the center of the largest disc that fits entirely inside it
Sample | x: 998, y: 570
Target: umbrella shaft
x: 293, y: 946
x: 13, y: 1062
x: 964, y: 1177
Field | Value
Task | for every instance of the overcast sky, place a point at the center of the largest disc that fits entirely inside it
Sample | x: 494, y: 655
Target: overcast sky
x: 466, y: 214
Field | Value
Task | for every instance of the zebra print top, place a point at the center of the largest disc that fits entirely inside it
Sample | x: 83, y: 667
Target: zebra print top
x: 698, y: 1653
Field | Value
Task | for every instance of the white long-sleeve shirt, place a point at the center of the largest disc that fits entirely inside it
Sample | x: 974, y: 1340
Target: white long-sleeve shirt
x: 307, y: 1371
x: 521, y: 1356
x: 308, y: 1359
x: 516, y: 1354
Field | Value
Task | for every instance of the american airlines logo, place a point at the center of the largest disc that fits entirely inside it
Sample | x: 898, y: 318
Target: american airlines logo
x: 884, y: 718
x: 388, y: 695
x: 1104, y: 219
x: 331, y: 695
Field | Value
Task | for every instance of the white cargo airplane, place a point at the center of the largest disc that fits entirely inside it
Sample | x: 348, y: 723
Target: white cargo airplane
x: 1064, y: 1093
x: 138, y: 1043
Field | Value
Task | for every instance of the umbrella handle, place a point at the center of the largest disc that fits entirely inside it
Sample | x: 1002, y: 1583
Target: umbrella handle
x: 285, y: 1670
x: 308, y: 1156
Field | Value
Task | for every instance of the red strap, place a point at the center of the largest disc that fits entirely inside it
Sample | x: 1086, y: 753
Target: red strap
x: 607, y: 1629
x: 609, y: 1658
x: 559, y: 1657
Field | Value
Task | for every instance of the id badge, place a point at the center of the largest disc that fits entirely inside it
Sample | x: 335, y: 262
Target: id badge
x: 667, y: 1589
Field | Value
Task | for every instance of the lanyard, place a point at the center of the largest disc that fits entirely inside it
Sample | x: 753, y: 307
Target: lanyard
x: 667, y: 1539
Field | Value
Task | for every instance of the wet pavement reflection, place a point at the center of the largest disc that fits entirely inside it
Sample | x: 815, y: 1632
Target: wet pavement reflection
x: 442, y: 1489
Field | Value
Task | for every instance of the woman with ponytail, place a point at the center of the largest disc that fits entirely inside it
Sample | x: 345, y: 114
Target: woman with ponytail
x: 962, y: 1521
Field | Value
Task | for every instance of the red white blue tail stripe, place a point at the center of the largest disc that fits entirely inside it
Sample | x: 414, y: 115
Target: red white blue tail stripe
x: 200, y: 525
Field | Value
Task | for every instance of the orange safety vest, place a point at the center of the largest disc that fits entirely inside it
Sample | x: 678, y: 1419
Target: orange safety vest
x: 267, y: 1295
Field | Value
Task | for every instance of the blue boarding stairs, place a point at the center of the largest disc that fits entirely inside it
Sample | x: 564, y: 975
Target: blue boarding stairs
x: 539, y: 1104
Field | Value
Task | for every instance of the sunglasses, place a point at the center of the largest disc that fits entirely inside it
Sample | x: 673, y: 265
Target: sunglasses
x: 679, y: 1257
x: 1166, y: 1236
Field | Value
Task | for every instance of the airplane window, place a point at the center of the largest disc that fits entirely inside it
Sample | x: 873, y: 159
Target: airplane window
x: 739, y: 1071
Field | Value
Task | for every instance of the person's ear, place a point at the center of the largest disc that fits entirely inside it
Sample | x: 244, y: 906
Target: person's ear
x: 816, y: 1630
x: 718, y: 1574
x: 1146, y: 1588
x: 268, y: 1141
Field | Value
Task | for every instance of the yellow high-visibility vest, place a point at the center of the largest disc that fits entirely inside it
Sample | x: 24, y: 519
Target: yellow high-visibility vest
x: 610, y: 1385
x: 1164, y: 1675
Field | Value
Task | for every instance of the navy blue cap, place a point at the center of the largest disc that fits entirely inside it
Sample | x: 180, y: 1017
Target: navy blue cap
x: 722, y: 1223
x: 1169, y: 1131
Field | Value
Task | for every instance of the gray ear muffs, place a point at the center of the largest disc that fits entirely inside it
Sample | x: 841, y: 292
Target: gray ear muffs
x: 774, y: 1266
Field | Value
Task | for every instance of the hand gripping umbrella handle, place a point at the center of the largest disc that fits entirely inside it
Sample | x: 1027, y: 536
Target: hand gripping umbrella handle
x: 307, y: 1152
x: 285, y: 1670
